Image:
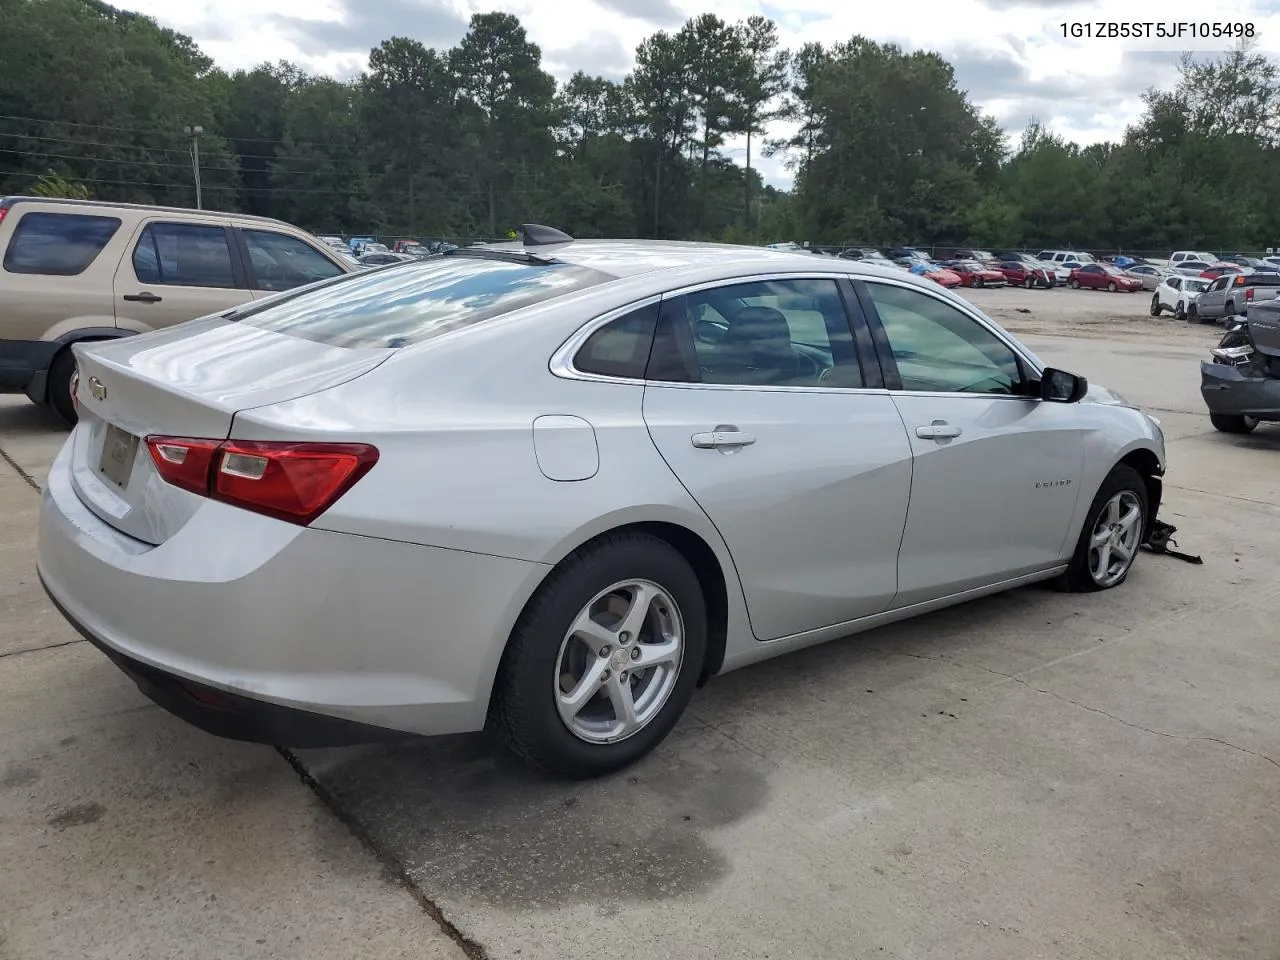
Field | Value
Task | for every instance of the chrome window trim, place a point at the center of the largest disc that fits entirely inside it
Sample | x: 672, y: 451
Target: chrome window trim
x: 561, y: 363
x: 562, y: 366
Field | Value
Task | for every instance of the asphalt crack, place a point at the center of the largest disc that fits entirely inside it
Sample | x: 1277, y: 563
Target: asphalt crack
x: 51, y: 646
x: 17, y: 468
x: 1093, y: 709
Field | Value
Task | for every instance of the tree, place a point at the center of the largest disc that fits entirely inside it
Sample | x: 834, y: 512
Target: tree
x: 499, y: 75
x: 56, y: 185
x: 659, y: 88
x: 762, y: 82
x: 715, y: 66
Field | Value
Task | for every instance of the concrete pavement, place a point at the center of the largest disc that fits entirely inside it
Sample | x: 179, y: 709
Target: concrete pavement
x: 1031, y: 775
x: 125, y: 834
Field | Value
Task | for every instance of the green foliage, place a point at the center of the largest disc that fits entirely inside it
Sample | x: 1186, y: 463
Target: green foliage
x: 884, y: 146
x: 56, y: 185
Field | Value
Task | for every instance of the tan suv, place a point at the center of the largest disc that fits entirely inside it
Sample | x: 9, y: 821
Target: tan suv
x: 77, y: 270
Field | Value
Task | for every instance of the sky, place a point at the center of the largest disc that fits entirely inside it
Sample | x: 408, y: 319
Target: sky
x: 1011, y: 56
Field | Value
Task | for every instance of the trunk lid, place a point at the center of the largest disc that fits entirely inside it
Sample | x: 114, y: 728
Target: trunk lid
x: 187, y: 381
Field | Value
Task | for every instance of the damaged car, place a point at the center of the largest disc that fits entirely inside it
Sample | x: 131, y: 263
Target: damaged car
x: 1241, y: 384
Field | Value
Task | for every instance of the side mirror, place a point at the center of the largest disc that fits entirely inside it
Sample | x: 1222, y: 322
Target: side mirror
x: 1058, y: 386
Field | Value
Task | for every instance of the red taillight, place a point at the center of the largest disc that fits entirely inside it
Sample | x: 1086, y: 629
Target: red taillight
x: 1248, y: 294
x: 289, y: 481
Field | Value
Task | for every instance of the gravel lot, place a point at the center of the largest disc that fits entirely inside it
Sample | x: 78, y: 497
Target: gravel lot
x: 1095, y: 314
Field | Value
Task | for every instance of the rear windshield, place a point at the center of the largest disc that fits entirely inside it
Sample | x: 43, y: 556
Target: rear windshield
x: 413, y: 301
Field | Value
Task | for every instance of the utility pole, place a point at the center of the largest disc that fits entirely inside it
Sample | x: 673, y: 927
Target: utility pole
x: 194, y: 133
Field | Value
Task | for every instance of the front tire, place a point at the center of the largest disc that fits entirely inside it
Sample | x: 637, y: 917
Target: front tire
x: 1113, y: 530
x: 1075, y: 284
x: 1233, y: 423
x: 603, y: 660
x: 58, y: 386
x: 1193, y: 313
x: 1156, y: 309
x: 1029, y: 282
x: 1111, y: 287
x: 1180, y: 311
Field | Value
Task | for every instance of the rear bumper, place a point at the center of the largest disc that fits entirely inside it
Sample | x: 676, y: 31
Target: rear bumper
x: 298, y: 636
x: 230, y: 715
x: 21, y: 361
x: 1228, y: 390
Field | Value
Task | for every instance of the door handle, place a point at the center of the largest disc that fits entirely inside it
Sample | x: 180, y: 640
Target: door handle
x: 145, y: 297
x: 722, y: 437
x: 938, y: 430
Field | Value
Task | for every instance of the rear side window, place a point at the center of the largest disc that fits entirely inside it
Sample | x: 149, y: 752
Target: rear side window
x: 58, y: 244
x: 416, y: 300
x: 282, y: 262
x: 621, y: 347
x: 184, y: 255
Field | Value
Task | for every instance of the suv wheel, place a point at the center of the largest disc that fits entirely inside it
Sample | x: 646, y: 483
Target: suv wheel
x: 58, y: 386
x: 1180, y: 311
x: 603, y: 660
x: 1156, y: 309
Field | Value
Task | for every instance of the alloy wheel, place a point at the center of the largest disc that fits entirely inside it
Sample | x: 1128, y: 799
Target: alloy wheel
x: 619, y: 661
x: 1115, y: 539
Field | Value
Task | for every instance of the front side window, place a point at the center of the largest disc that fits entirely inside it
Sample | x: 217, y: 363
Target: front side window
x: 939, y: 349
x: 1174, y: 282
x: 57, y: 244
x: 184, y: 255
x: 767, y: 333
x: 281, y: 262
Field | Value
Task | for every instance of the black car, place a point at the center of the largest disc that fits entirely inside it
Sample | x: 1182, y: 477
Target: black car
x: 1241, y: 384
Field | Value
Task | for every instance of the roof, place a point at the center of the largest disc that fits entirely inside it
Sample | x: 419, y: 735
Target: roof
x: 629, y: 258
x: 6, y: 202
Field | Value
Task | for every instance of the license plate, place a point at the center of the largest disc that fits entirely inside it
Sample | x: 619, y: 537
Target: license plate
x: 118, y: 450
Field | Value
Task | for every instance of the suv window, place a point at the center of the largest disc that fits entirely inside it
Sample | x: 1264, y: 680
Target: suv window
x: 621, y: 347
x: 183, y: 255
x: 281, y: 262
x: 939, y: 349
x: 57, y: 244
x: 777, y: 333
x: 1174, y: 282
x: 1220, y: 283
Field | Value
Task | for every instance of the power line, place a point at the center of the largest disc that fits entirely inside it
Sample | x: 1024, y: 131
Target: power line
x: 165, y: 133
x: 160, y: 163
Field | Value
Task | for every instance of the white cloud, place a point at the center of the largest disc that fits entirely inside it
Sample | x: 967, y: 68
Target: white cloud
x: 1011, y: 55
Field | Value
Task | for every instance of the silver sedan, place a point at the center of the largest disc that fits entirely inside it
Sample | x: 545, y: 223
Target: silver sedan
x: 552, y: 488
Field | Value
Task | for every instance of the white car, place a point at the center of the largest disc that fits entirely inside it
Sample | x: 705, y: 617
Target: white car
x: 1175, y: 293
x: 553, y: 489
x: 1178, y: 257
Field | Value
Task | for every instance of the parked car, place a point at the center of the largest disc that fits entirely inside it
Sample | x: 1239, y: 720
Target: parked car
x: 79, y: 270
x: 1191, y: 268
x: 1147, y: 275
x: 1104, y: 276
x: 1231, y: 294
x: 931, y: 271
x: 1215, y: 270
x: 1076, y: 257
x: 861, y: 253
x: 565, y: 578
x: 1241, y: 384
x: 383, y: 259
x: 1021, y: 273
x: 1179, y: 257
x: 1175, y: 293
x: 985, y: 257
x: 910, y: 253
x: 878, y: 262
x: 974, y: 274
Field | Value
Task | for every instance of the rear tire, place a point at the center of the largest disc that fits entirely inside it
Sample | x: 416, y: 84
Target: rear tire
x: 1180, y: 311
x: 1233, y: 423
x: 1029, y: 282
x: 58, y: 386
x: 543, y: 654
x: 1123, y: 486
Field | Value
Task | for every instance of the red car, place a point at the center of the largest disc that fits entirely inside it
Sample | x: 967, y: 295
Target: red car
x: 944, y: 276
x: 1019, y: 273
x: 1103, y: 276
x: 974, y: 274
x: 1218, y: 269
